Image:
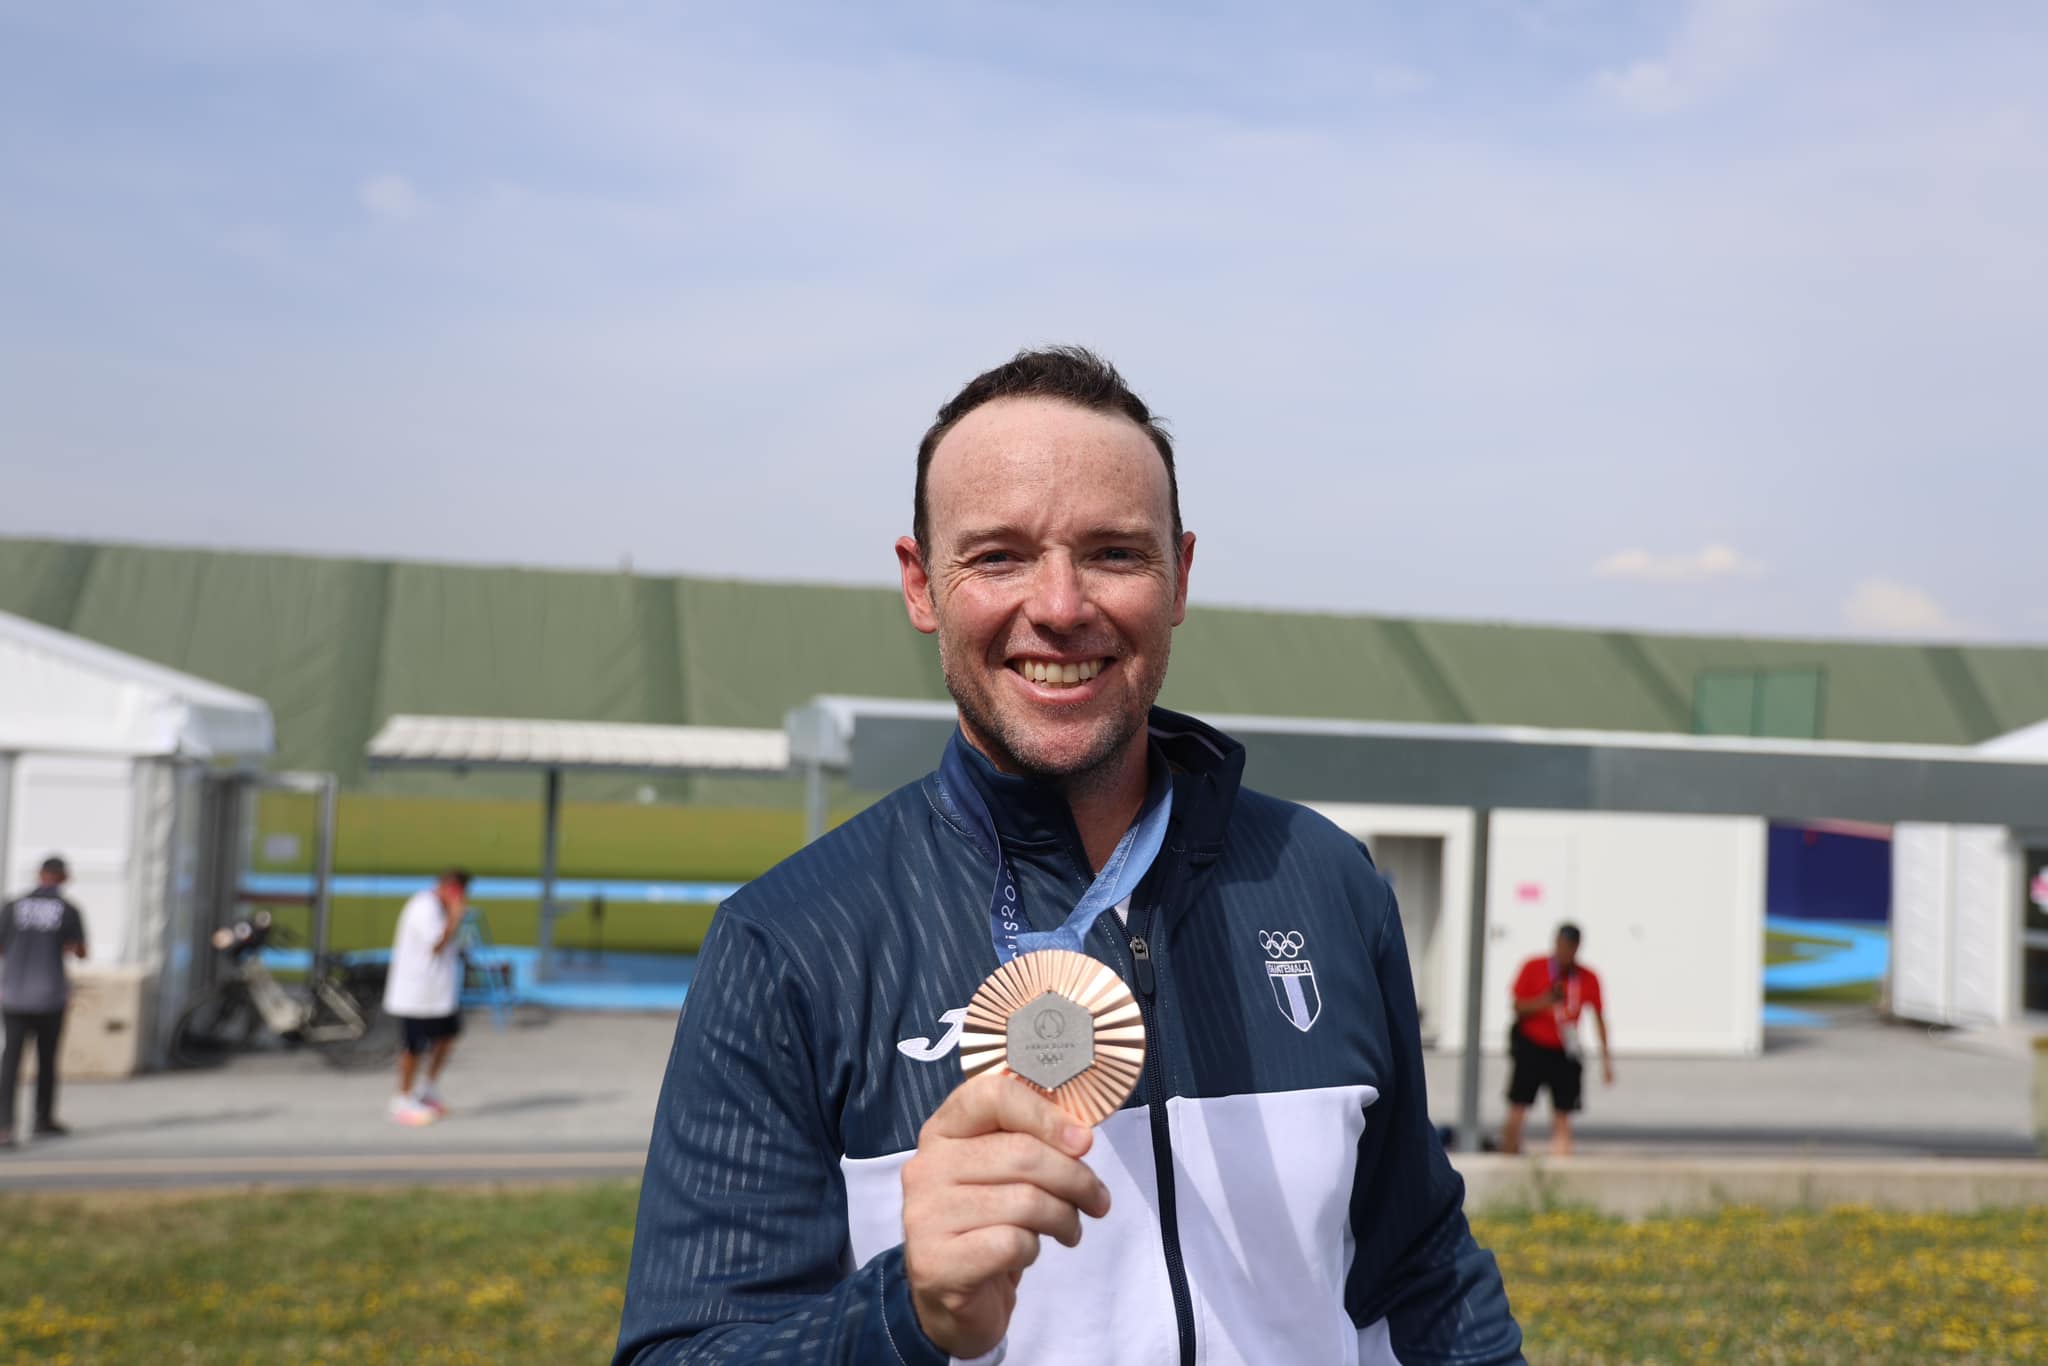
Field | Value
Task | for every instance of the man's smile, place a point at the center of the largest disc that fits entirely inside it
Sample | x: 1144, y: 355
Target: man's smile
x: 1058, y: 672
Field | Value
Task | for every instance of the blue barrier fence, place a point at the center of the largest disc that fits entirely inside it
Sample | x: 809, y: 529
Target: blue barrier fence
x: 496, y: 888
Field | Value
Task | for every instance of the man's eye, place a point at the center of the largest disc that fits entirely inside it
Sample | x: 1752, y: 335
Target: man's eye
x: 1120, y: 553
x: 994, y: 557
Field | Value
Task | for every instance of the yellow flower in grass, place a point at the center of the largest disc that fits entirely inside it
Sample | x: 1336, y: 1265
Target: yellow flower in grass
x: 493, y: 1292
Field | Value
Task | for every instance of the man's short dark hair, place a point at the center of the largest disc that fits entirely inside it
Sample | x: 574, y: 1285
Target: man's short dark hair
x: 458, y: 876
x: 53, y: 867
x: 1568, y: 932
x: 1071, y: 374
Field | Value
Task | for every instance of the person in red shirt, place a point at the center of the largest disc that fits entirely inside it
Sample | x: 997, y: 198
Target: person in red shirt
x: 1550, y: 993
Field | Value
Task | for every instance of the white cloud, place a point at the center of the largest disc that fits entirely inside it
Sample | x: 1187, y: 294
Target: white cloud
x: 390, y: 197
x: 1888, y: 608
x: 1715, y: 561
x: 1717, y: 41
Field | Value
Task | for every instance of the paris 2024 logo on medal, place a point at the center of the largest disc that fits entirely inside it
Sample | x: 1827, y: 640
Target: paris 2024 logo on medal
x: 1293, y: 977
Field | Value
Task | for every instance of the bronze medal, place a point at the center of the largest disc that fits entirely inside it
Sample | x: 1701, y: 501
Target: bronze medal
x: 1062, y: 1023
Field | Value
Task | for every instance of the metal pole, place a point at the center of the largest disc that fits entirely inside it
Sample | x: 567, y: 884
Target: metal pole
x: 6, y: 790
x: 1475, y: 982
x: 551, y: 836
x: 323, y: 869
x: 814, y: 800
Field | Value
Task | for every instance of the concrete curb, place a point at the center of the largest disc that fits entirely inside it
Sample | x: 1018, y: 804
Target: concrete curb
x: 1633, y: 1187
x: 241, y: 1171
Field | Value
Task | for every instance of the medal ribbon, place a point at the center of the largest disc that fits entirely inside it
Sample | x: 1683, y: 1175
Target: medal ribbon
x: 1568, y: 1008
x: 1566, y: 1011
x: 1120, y: 876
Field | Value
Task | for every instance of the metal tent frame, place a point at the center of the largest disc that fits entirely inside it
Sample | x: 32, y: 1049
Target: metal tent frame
x: 882, y: 744
x: 460, y: 743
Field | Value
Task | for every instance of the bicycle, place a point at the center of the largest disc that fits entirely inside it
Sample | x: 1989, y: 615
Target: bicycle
x: 337, y: 1011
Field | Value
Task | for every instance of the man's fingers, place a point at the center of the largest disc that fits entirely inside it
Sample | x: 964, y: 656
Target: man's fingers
x: 995, y: 1101
x: 947, y: 1208
x: 1031, y: 1208
x: 1004, y: 1158
x: 1001, y: 1159
x: 982, y: 1254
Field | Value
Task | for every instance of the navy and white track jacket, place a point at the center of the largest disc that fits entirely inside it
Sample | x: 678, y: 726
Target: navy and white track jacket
x: 1278, y: 1194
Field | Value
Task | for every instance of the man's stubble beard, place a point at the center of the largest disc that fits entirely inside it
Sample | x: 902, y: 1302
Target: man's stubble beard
x: 987, y: 723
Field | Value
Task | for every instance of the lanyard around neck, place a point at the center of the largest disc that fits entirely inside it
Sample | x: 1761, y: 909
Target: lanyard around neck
x: 1120, y: 875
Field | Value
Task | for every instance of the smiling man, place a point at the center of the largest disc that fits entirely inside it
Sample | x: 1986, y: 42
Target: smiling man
x: 822, y: 1186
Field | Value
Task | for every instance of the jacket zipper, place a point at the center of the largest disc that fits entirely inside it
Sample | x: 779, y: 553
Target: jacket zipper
x: 1162, y: 1135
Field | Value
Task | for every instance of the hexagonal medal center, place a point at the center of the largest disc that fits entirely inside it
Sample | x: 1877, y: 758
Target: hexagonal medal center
x: 1052, y: 1041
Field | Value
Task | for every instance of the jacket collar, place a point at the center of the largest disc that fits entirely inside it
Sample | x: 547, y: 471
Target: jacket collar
x: 1032, y: 813
x: 1208, y: 767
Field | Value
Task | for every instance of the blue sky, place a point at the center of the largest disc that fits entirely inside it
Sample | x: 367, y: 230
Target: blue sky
x: 1716, y: 314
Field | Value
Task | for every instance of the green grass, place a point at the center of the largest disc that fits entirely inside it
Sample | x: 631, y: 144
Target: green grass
x: 1849, y: 1285
x: 1847, y: 994
x: 536, y: 1275
x: 630, y: 927
x: 417, y: 836
x: 1780, y: 947
x: 376, y: 834
x: 414, y: 1276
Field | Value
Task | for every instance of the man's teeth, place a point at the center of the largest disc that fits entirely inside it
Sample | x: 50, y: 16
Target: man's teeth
x: 1059, y: 675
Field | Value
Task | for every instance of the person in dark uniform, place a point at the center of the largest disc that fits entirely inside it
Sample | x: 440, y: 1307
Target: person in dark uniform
x: 36, y: 931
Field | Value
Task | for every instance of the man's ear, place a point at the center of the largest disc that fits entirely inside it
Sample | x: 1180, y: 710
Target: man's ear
x: 917, y: 586
x: 1180, y: 580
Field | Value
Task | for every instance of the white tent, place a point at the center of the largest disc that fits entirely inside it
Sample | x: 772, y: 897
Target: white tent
x: 1970, y: 913
x: 61, y: 694
x: 109, y: 761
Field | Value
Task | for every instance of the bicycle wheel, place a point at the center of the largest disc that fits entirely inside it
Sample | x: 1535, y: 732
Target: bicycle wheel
x: 215, y: 1027
x: 350, y: 1031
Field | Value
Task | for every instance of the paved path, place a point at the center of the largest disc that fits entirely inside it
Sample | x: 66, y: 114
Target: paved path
x: 579, y: 1084
x: 1859, y: 1088
x: 576, y: 1097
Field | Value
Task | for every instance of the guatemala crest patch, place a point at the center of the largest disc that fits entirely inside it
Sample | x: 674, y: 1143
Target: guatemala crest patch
x: 1293, y: 977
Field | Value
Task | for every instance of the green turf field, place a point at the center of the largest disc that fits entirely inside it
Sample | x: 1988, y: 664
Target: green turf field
x: 1780, y: 947
x: 416, y: 836
x: 631, y: 927
x: 537, y: 1275
x: 377, y: 834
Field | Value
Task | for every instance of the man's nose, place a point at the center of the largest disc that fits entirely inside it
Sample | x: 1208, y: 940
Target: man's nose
x: 1059, y: 598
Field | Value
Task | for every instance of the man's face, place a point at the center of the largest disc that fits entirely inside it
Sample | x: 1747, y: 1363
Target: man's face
x: 1052, y: 580
x: 1567, y: 951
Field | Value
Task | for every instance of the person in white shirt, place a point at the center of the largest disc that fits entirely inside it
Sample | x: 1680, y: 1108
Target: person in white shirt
x: 423, y: 991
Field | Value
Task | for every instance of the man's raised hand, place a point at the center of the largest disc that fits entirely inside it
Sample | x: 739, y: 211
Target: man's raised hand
x: 997, y: 1167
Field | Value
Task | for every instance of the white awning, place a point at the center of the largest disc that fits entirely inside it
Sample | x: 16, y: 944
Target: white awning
x: 2028, y: 742
x: 499, y: 742
x: 63, y: 694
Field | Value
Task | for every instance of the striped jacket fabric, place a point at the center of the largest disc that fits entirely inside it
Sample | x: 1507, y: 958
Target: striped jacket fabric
x: 1278, y: 1192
